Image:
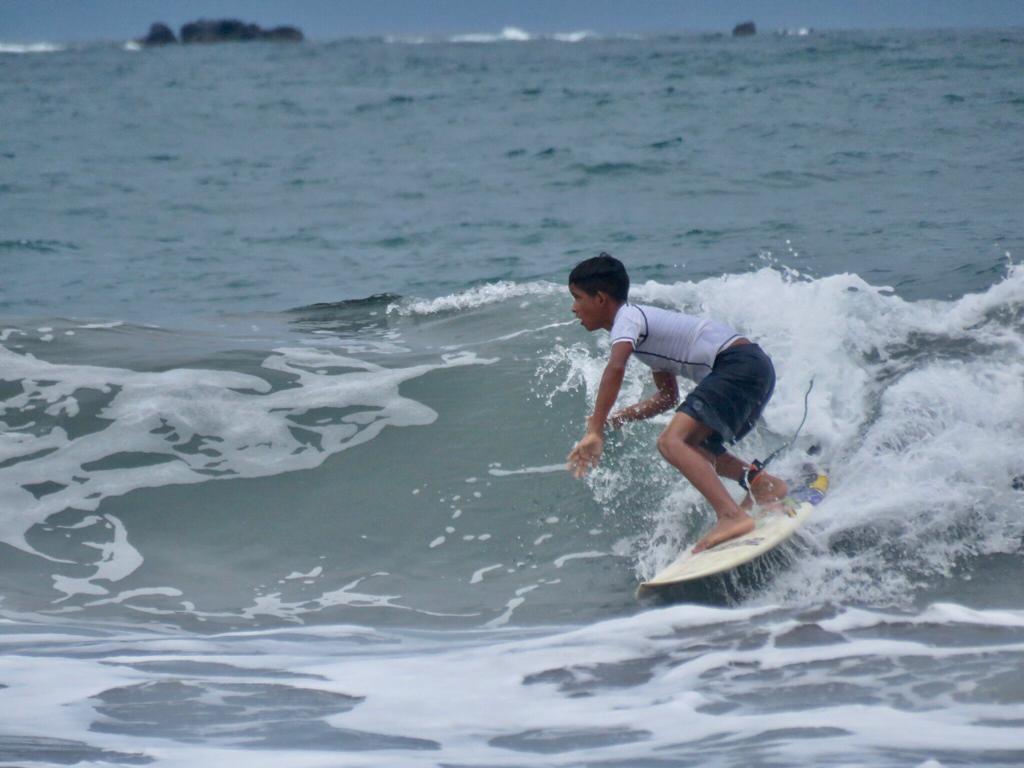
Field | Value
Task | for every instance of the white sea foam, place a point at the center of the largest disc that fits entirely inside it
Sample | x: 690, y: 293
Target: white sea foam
x: 30, y: 48
x: 937, y: 613
x: 6, y: 333
x: 615, y: 690
x: 478, y: 575
x: 574, y: 37
x: 311, y: 575
x: 113, y: 324
x: 229, y: 424
x: 511, y: 606
x: 543, y: 470
x: 560, y: 561
x: 129, y: 594
x: 508, y: 34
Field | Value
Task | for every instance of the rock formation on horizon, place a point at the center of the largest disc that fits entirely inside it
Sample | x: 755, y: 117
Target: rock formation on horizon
x: 221, y: 31
x: 745, y: 29
x: 159, y: 34
x: 224, y: 30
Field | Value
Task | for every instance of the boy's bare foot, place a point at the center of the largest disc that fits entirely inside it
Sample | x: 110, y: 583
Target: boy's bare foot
x: 725, y: 529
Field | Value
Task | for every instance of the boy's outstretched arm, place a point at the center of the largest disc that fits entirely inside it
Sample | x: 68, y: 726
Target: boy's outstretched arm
x: 588, y: 450
x: 665, y: 398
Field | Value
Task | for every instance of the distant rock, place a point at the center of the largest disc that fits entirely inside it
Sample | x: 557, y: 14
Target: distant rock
x: 284, y: 34
x: 221, y: 31
x: 746, y: 29
x: 159, y: 34
x: 233, y: 30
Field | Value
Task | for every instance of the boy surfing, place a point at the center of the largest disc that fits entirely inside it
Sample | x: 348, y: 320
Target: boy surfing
x: 734, y: 378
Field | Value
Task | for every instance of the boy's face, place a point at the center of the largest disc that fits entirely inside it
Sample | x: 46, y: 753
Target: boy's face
x: 591, y: 310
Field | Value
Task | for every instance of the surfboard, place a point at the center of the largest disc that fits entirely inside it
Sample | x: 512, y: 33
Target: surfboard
x: 773, y: 525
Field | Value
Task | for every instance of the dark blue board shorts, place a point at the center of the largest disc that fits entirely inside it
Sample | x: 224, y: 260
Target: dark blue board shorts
x: 731, y: 398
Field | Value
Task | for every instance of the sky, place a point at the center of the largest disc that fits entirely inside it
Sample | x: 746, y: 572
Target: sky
x: 74, y: 20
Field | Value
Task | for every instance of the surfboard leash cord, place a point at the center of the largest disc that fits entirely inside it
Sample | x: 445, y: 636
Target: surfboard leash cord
x: 757, y: 465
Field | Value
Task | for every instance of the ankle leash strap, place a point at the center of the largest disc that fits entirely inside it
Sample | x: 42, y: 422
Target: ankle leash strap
x: 757, y: 466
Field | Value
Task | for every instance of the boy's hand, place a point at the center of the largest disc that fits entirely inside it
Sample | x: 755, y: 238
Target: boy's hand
x: 585, y: 455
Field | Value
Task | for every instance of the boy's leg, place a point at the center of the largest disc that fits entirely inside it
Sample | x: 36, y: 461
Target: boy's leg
x: 764, y: 488
x: 679, y: 444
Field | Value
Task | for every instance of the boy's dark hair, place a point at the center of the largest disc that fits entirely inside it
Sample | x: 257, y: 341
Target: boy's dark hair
x: 601, y: 273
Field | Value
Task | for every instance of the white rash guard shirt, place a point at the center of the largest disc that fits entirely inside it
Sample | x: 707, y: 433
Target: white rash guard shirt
x: 685, y: 345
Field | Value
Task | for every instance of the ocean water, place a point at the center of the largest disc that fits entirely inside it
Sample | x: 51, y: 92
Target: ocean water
x: 288, y: 374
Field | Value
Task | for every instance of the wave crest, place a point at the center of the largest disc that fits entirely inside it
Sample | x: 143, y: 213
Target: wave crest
x: 490, y: 293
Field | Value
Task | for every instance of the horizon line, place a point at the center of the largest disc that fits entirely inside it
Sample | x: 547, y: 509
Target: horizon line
x: 547, y: 36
